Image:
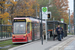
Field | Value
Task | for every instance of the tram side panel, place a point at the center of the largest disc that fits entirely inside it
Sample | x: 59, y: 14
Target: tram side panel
x: 38, y: 30
x: 33, y: 36
x: 35, y: 31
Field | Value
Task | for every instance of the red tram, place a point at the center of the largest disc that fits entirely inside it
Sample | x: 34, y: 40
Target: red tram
x: 25, y: 29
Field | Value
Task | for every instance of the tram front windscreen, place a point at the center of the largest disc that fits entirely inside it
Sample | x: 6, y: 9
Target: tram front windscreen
x: 19, y: 26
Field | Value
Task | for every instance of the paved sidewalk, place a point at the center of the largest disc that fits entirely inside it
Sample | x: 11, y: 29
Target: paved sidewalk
x: 71, y: 46
x: 36, y: 45
x: 63, y: 44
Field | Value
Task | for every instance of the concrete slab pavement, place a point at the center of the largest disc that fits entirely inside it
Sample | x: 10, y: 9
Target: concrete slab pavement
x: 63, y: 44
x: 71, y: 46
x: 36, y: 45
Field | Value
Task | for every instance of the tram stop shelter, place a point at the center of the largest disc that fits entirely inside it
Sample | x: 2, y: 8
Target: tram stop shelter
x: 52, y: 25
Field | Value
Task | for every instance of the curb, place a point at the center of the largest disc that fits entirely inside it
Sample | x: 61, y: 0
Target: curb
x: 62, y: 44
x: 5, y: 39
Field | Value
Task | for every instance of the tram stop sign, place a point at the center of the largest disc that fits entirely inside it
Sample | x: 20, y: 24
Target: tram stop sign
x: 44, y: 9
x: 62, y: 20
x: 44, y: 12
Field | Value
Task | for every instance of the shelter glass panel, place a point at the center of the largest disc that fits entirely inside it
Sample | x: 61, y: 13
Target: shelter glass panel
x: 50, y: 26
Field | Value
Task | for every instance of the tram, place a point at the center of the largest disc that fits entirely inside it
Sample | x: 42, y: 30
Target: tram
x: 25, y: 29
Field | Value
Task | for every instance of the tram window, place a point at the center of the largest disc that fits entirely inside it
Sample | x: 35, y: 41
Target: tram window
x: 19, y: 27
x: 35, y: 28
x: 28, y: 27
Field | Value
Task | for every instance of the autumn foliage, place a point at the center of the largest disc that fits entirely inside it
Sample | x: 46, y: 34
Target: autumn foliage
x: 4, y: 15
x: 10, y: 9
x: 72, y: 18
x: 62, y: 7
x: 25, y: 8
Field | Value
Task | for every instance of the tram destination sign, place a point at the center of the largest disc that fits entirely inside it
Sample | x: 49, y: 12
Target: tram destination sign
x: 19, y: 20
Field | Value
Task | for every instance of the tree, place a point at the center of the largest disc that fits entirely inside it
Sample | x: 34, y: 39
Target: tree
x: 12, y: 9
x: 55, y: 13
x: 62, y: 6
x: 43, y: 3
x: 72, y: 18
x: 59, y: 9
x: 5, y: 7
x: 24, y: 8
x: 3, y: 15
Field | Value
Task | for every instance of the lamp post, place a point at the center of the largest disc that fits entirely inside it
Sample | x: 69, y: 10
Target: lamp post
x: 69, y: 20
x: 36, y: 8
x: 49, y: 1
x: 74, y: 17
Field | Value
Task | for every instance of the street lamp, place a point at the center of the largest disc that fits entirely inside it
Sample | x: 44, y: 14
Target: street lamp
x: 36, y: 11
x: 74, y: 17
x: 69, y: 20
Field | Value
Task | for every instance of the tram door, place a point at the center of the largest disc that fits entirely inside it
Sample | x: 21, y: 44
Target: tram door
x: 33, y: 32
x: 28, y: 31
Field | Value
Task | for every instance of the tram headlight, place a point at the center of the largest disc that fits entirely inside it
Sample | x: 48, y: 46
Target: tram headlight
x: 13, y: 36
x: 24, y: 36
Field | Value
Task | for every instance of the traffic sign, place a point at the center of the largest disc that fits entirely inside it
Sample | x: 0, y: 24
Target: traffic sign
x: 44, y: 12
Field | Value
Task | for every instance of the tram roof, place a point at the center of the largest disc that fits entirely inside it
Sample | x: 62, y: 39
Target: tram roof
x: 28, y: 19
x: 55, y: 22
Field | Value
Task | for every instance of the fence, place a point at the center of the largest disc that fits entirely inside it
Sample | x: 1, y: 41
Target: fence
x: 5, y: 31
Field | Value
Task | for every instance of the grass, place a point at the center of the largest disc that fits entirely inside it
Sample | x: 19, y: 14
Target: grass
x: 4, y: 43
x: 7, y: 43
x: 70, y: 33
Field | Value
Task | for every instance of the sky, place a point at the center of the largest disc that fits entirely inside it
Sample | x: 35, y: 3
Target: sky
x: 71, y: 5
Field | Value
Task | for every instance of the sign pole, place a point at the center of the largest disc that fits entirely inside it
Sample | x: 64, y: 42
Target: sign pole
x: 41, y: 28
x: 46, y: 29
x: 44, y: 16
